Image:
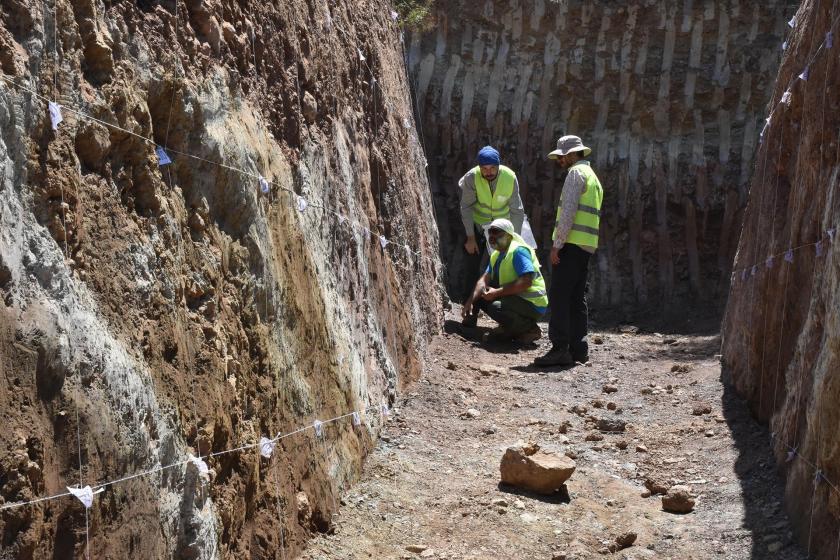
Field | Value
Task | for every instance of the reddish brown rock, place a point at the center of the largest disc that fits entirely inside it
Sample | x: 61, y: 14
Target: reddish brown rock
x: 679, y: 499
x: 535, y: 469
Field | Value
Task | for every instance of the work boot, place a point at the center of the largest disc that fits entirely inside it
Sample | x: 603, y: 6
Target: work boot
x: 555, y: 357
x: 497, y: 335
x: 580, y: 359
x: 531, y: 335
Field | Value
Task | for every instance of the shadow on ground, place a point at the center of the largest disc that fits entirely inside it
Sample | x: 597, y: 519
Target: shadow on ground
x: 762, y: 487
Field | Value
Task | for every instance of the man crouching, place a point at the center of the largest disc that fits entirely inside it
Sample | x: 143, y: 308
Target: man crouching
x: 512, y: 289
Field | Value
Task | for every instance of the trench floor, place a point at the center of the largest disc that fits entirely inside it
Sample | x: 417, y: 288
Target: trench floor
x: 431, y: 488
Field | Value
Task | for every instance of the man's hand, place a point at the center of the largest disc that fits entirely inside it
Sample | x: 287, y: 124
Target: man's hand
x: 491, y: 293
x: 471, y: 246
x: 466, y: 310
x: 555, y: 256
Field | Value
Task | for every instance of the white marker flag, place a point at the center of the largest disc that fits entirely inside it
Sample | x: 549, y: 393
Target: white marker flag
x: 55, y: 114
x: 319, y: 428
x: 202, y: 467
x: 264, y: 187
x: 267, y: 447
x: 85, y: 494
x: 301, y: 204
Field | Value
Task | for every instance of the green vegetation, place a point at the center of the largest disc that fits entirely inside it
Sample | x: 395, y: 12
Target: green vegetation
x: 415, y: 14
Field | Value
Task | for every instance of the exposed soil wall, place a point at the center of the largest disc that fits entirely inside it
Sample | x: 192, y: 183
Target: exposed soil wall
x: 670, y: 96
x: 782, y: 325
x: 151, y: 312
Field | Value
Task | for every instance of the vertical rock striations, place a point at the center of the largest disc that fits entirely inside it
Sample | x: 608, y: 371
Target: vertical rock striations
x: 669, y: 95
x: 782, y: 323
x: 149, y: 312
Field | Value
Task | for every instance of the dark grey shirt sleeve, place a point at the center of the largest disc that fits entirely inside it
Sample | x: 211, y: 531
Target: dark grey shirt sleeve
x: 517, y: 210
x: 468, y: 199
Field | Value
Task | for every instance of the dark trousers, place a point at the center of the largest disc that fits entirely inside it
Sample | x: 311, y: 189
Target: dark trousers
x: 475, y: 265
x: 569, y: 321
x: 515, y: 315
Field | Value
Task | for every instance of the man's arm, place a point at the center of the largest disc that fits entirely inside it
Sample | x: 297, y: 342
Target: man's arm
x: 479, y: 289
x: 468, y: 200
x: 520, y: 285
x: 572, y: 190
x: 517, y: 209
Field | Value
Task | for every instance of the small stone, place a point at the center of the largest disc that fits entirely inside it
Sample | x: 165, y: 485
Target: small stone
x: 681, y: 368
x: 628, y: 329
x: 519, y: 504
x: 470, y: 413
x: 416, y: 548
x: 610, y: 389
x: 598, y: 403
x: 594, y: 436
x: 625, y: 540
x: 451, y: 366
x: 611, y: 406
x: 701, y: 409
x: 611, y: 425
x: 678, y: 500
x: 500, y: 502
x: 646, y: 493
x: 641, y: 448
x: 528, y: 517
x: 710, y: 433
x: 646, y: 391
x: 597, y: 340
x: 656, y: 486
x: 621, y: 444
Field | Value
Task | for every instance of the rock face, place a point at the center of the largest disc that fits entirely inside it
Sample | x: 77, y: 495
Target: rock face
x: 533, y: 469
x: 162, y: 311
x: 670, y: 96
x: 781, y: 344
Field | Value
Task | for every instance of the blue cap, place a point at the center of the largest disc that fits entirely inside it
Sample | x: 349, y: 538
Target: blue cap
x: 489, y: 156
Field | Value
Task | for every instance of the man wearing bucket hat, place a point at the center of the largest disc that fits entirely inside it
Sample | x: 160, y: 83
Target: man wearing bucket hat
x: 575, y: 240
x: 512, y: 289
x: 488, y: 191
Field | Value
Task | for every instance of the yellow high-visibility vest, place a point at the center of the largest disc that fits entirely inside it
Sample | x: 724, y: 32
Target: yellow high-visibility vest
x: 588, y: 216
x: 492, y: 205
x: 536, y: 294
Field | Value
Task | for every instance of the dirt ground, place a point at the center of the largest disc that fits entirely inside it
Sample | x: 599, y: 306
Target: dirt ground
x: 431, y: 488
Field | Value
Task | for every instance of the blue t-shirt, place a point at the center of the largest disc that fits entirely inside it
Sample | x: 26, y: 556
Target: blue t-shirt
x: 521, y: 265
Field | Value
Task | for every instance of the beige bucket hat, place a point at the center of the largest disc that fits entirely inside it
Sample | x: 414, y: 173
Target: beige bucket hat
x: 567, y: 145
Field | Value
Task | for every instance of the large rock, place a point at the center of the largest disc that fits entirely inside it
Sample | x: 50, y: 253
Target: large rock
x: 534, y: 469
x: 679, y: 499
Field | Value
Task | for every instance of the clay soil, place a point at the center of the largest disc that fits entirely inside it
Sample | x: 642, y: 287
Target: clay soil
x: 431, y: 488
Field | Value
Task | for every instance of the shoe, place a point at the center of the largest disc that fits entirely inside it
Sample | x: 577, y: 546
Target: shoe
x: 555, y: 357
x: 580, y: 359
x: 496, y: 335
x: 470, y: 321
x: 531, y: 335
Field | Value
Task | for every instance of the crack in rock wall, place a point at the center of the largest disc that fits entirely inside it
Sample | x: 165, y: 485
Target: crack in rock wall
x: 669, y: 95
x: 163, y: 311
x: 781, y: 343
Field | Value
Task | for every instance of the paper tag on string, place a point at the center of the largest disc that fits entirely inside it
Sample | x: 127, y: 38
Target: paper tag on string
x: 792, y: 22
x: 394, y: 15
x: 85, y: 495
x: 55, y: 114
x: 831, y: 233
x: 406, y: 123
x: 817, y: 477
x: 804, y: 75
x: 385, y: 411
x: 199, y: 463
x: 786, y: 97
x: 267, y: 447
x: 361, y: 56
x: 383, y: 241
x: 301, y: 204
x: 319, y: 427
x: 784, y: 46
x: 754, y: 270
x: 769, y: 262
x: 357, y: 419
x: 819, y: 248
x: 163, y: 157
x: 829, y: 40
x: 790, y: 455
x: 264, y: 187
x: 789, y: 255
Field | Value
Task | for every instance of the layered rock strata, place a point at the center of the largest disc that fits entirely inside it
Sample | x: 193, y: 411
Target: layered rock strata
x: 152, y: 312
x: 669, y: 95
x: 782, y: 325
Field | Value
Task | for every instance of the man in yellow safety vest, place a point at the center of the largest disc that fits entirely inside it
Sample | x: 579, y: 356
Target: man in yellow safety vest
x: 575, y: 240
x: 512, y: 289
x: 488, y: 191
